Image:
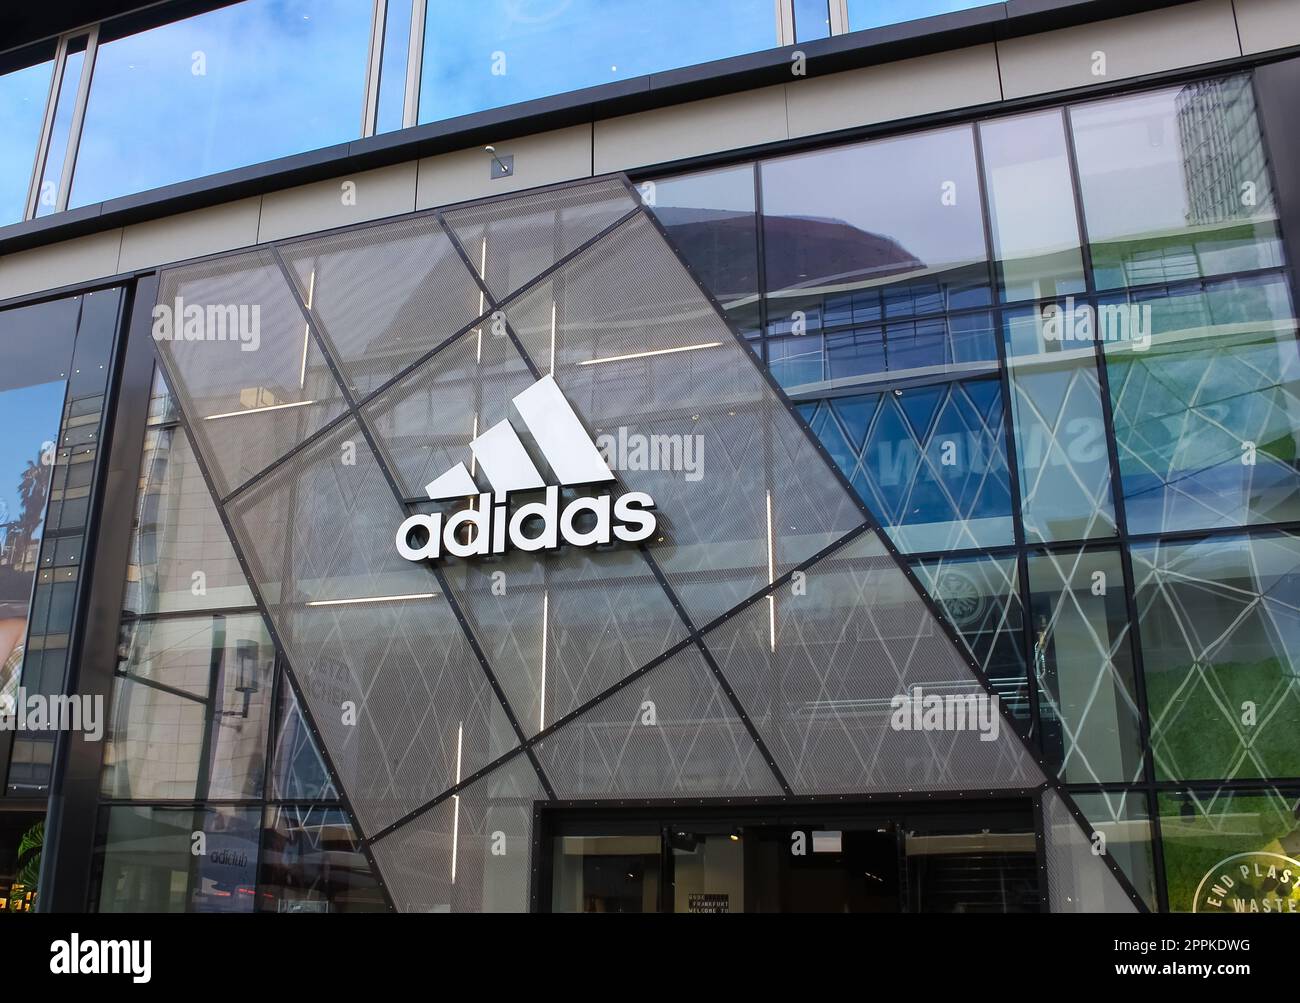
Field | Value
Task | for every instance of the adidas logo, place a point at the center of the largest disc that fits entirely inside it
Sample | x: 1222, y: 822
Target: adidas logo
x: 556, y: 434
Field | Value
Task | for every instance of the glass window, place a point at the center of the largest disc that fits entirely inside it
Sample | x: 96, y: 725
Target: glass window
x: 912, y: 348
x: 71, y: 465
x: 929, y: 461
x: 710, y: 218
x: 607, y: 874
x: 1205, y: 389
x: 190, y: 710
x: 1031, y: 206
x: 812, y: 20
x: 37, y: 345
x: 181, y: 557
x: 312, y: 862
x: 162, y: 407
x: 1175, y: 184
x: 951, y: 869
x: 500, y: 52
x: 981, y: 596
x: 298, y: 772
x: 797, y: 361
x: 874, y: 232
x: 392, y: 69
x: 24, y: 91
x: 244, y: 84
x: 1220, y: 628
x: 876, y: 13
x: 1061, y: 452
x: 146, y: 862
x: 1232, y: 850
x: 47, y: 199
x: 1122, y: 820
x: 1084, y: 666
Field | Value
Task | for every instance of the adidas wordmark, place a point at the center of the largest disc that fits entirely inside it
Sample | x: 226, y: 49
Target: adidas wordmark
x: 487, y: 527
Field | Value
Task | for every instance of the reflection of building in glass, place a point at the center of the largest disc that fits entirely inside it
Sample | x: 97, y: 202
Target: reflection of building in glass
x: 1222, y: 153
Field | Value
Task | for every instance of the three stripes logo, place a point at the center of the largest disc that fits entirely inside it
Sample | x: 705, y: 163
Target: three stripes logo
x: 487, y: 527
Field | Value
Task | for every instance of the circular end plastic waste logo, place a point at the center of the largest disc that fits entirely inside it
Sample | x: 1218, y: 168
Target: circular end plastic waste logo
x: 1257, y: 882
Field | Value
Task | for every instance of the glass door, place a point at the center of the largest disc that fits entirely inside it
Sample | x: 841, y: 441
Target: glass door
x: 784, y: 859
x: 607, y: 874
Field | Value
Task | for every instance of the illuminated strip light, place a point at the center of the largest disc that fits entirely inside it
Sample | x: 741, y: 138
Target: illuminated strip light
x: 552, y: 337
x: 473, y: 460
x: 482, y: 302
x: 646, y: 355
x: 546, y: 613
x: 455, y: 825
x: 771, y: 575
x: 306, y: 331
x: 370, y: 599
x: 257, y: 410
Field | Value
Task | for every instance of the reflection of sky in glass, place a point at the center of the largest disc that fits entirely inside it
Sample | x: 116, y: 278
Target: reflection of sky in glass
x: 892, y: 188
x: 22, y: 109
x: 282, y: 76
x: 30, y: 418
x: 811, y: 20
x: 52, y: 173
x: 874, y: 13
x: 553, y: 46
x: 392, y: 69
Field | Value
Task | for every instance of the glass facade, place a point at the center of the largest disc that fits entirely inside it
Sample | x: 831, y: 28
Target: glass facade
x: 500, y: 52
x: 204, y: 719
x: 1035, y: 346
x: 1010, y: 410
x: 243, y: 81
x: 24, y: 90
x: 243, y: 84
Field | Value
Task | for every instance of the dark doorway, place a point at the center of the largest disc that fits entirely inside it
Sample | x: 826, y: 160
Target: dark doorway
x: 709, y: 861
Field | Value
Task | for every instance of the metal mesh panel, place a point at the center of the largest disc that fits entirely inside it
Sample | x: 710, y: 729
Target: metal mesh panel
x: 384, y: 295
x: 247, y: 406
x: 741, y: 492
x: 318, y: 535
x: 426, y: 421
x: 470, y: 852
x: 514, y: 240
x: 670, y: 733
x: 1077, y: 879
x: 817, y: 666
x: 604, y: 613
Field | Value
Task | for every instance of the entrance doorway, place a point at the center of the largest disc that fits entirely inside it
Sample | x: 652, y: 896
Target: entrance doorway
x: 710, y: 861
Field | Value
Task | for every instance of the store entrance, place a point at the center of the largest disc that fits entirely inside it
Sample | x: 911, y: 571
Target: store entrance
x: 927, y: 859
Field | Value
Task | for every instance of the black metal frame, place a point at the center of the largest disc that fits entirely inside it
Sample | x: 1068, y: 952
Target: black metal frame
x: 904, y: 812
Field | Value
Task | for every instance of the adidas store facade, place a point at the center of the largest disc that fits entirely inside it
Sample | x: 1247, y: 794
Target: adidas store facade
x: 719, y: 497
